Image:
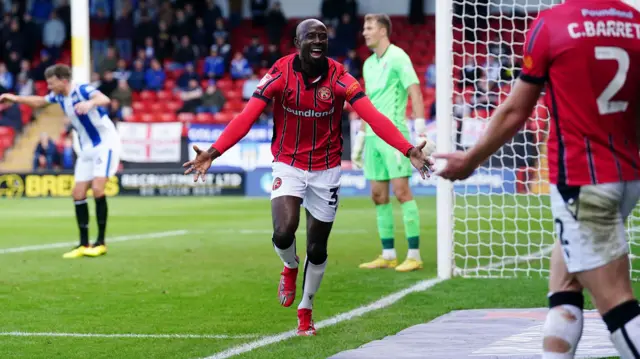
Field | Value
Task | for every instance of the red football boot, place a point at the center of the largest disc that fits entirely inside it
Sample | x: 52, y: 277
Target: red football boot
x: 287, y: 286
x: 305, y: 323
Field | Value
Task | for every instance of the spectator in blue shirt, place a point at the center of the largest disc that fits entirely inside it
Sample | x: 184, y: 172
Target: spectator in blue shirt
x: 45, y: 155
x: 240, y: 68
x: 155, y: 76
x: 6, y: 77
x: 188, y: 75
x: 137, y: 76
x: 214, y: 65
x: 40, y: 10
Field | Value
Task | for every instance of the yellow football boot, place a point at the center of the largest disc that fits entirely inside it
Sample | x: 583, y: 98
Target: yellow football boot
x: 409, y: 265
x: 96, y: 251
x: 77, y: 252
x: 380, y: 263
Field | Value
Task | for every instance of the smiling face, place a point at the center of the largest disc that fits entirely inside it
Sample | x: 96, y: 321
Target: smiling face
x: 312, y: 41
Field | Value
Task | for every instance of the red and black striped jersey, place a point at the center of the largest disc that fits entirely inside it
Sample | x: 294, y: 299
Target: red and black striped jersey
x: 587, y: 52
x: 307, y: 113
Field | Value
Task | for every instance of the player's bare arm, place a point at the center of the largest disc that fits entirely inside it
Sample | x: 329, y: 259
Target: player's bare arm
x: 97, y: 98
x: 234, y: 132
x: 31, y: 101
x: 504, y: 124
x: 383, y: 127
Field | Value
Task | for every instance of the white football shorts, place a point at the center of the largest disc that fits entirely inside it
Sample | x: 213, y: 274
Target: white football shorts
x: 318, y: 189
x: 97, y: 162
x: 590, y: 222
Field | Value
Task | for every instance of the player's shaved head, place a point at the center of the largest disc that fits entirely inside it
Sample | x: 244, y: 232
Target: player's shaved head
x: 307, y: 25
x: 312, y: 42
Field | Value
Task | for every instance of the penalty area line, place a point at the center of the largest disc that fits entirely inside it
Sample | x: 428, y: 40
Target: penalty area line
x: 379, y: 304
x: 135, y: 237
x: 130, y: 335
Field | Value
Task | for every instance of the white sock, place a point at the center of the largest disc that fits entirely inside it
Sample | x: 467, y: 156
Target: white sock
x: 288, y: 255
x: 564, y: 322
x: 312, y: 277
x: 627, y: 339
x: 414, y: 254
x: 389, y: 254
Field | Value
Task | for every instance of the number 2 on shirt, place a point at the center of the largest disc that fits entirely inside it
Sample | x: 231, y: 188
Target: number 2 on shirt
x: 605, y: 105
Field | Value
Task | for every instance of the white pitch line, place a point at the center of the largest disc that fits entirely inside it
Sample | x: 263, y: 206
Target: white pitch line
x: 39, y: 247
x: 143, y: 336
x: 379, y: 304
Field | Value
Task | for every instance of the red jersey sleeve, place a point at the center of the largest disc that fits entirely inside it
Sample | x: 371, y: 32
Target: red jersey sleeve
x: 271, y: 84
x: 349, y: 88
x: 536, y: 58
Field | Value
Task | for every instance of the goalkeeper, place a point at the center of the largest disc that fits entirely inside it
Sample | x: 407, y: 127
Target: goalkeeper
x: 389, y: 77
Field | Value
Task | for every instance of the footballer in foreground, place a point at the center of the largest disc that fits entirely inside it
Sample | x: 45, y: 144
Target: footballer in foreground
x: 587, y: 53
x: 308, y: 91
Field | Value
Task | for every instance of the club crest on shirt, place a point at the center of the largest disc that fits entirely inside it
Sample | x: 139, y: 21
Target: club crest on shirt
x: 277, y: 182
x: 264, y: 80
x: 324, y: 93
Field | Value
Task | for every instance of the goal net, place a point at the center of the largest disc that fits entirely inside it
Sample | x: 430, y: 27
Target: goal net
x: 502, y: 222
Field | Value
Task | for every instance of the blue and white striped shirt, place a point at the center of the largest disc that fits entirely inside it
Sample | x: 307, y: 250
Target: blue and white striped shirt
x: 95, y: 128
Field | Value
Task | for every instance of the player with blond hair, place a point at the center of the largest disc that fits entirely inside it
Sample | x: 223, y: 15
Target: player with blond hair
x: 389, y: 80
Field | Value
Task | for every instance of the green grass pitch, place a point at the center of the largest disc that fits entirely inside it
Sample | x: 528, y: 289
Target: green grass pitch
x: 218, y: 278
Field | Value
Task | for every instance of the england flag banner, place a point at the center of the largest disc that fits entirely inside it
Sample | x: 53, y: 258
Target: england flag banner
x: 150, y: 142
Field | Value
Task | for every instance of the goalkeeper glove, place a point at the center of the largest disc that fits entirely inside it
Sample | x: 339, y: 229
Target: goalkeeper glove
x: 356, y: 151
x: 420, y: 127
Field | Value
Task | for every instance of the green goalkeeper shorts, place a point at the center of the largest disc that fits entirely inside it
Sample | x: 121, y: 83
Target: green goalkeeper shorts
x: 383, y: 162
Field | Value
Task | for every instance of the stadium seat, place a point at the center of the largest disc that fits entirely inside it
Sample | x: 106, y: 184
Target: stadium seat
x: 6, y: 142
x: 173, y: 106
x: 233, y: 95
x: 139, y: 106
x: 224, y: 84
x: 6, y: 131
x: 169, y: 84
x: 41, y: 88
x: 25, y: 113
x: 147, y: 117
x: 224, y: 117
x: 131, y: 118
x: 158, y: 107
x: 147, y: 95
x: 167, y: 117
x: 205, y: 118
x: 238, y: 84
x: 186, y: 117
x: 164, y: 95
x: 233, y: 105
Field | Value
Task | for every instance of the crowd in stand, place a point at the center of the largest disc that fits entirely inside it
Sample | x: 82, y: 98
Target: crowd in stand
x: 135, y: 44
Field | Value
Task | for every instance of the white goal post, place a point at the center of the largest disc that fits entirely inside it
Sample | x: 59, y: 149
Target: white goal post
x: 498, y: 223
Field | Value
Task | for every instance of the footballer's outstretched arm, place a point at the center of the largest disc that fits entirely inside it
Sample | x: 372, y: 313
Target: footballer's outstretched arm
x: 31, y: 101
x: 505, y: 122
